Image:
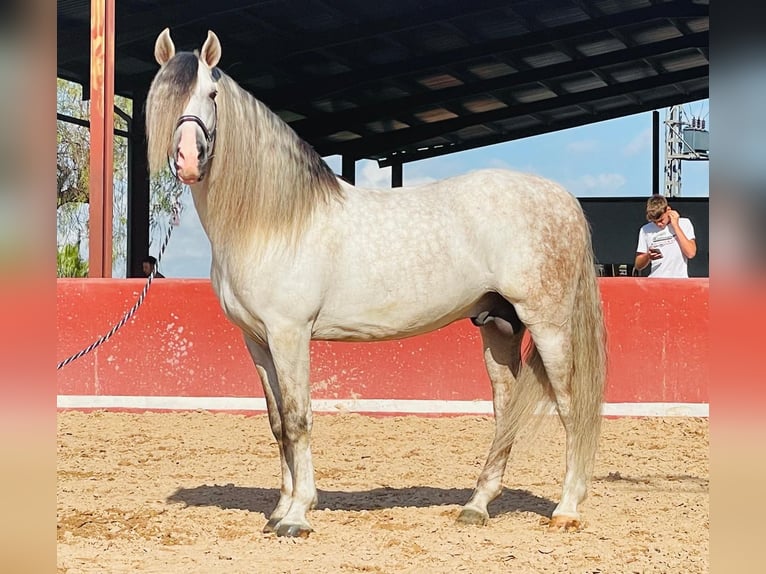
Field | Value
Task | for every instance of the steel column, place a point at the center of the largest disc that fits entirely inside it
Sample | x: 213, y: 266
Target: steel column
x: 655, y: 152
x: 101, y: 138
x: 397, y: 174
x: 348, y: 168
x: 138, y: 190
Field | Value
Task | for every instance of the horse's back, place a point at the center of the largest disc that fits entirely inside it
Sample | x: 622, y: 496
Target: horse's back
x: 504, y: 186
x: 502, y: 214
x: 481, y: 194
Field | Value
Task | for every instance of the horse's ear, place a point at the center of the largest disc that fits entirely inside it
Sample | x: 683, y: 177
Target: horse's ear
x: 164, y: 49
x: 211, y: 50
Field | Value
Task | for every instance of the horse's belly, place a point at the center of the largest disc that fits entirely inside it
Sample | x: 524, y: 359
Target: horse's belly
x: 372, y: 332
x: 385, y: 321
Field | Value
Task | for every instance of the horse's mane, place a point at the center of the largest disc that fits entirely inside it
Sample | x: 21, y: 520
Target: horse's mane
x: 264, y: 178
x: 165, y: 102
x: 264, y: 181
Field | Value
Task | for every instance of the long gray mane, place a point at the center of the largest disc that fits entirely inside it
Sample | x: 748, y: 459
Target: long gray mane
x: 264, y: 181
x: 168, y: 94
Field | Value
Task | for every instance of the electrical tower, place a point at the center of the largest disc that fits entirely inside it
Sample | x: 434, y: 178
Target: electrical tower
x: 685, y: 139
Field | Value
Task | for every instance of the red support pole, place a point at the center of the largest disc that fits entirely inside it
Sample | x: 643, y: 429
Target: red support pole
x: 101, y: 137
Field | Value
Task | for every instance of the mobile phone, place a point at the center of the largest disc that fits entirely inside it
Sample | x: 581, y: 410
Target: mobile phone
x: 655, y: 250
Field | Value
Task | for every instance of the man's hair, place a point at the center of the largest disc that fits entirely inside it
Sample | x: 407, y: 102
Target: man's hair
x: 150, y: 259
x: 656, y: 205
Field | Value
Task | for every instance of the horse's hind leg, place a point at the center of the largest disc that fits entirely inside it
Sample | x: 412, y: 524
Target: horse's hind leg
x: 502, y: 357
x: 555, y: 347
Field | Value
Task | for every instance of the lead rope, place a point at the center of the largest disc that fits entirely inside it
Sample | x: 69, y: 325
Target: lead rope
x: 174, y: 222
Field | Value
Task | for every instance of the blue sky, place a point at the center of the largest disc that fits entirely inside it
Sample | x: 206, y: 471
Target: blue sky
x: 606, y: 159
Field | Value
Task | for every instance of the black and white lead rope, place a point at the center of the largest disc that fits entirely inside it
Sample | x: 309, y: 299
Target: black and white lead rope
x: 174, y: 222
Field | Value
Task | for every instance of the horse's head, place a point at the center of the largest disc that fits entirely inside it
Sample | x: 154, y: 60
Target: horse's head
x: 195, y: 129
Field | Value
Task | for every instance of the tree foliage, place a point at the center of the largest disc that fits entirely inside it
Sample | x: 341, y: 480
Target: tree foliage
x: 69, y: 263
x: 72, y: 180
x: 72, y: 146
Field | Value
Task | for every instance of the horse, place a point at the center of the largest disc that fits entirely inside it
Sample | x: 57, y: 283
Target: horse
x: 299, y: 254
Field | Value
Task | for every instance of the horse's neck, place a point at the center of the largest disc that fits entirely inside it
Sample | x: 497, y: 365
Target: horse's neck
x: 199, y: 193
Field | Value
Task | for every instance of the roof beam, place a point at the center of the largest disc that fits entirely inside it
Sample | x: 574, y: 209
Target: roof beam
x: 283, y: 98
x: 307, y: 42
x: 675, y: 99
x: 390, y: 142
x: 326, y: 124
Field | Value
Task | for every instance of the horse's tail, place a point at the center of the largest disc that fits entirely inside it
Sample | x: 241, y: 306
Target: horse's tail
x: 588, y: 339
x: 533, y: 398
x: 530, y: 402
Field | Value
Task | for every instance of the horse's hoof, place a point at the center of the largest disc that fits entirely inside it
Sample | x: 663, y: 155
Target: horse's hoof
x: 293, y: 531
x: 470, y: 516
x: 565, y: 523
x: 271, y: 526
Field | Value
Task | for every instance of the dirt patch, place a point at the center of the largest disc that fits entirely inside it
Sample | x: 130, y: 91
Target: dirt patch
x: 190, y: 493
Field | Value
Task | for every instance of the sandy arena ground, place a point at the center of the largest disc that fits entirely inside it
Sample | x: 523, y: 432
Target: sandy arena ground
x: 190, y: 492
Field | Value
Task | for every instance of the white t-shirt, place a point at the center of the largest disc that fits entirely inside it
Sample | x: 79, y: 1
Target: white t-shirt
x: 673, y: 261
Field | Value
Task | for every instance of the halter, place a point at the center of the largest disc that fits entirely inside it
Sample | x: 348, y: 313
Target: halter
x: 209, y: 136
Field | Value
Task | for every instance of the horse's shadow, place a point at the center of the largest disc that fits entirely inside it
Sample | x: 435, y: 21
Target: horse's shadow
x: 263, y: 500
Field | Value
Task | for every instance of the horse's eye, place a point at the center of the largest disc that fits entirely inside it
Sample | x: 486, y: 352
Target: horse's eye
x: 213, y: 94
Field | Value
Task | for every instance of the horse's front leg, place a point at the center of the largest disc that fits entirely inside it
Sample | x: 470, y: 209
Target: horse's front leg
x: 290, y: 354
x: 265, y: 366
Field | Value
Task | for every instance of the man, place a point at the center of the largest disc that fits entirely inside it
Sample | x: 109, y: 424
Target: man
x: 149, y: 262
x: 667, y: 241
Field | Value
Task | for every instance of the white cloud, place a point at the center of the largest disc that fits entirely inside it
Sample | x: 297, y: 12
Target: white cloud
x: 599, y: 185
x: 498, y: 163
x: 418, y: 180
x: 582, y: 146
x: 639, y: 143
x: 334, y: 162
x: 370, y: 175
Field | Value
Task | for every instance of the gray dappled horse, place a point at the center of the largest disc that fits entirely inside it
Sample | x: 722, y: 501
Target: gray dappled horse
x: 298, y: 254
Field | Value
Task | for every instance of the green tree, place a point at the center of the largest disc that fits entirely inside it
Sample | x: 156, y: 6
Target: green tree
x: 69, y: 263
x: 72, y: 178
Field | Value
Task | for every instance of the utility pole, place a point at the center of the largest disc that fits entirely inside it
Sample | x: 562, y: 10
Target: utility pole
x: 685, y: 139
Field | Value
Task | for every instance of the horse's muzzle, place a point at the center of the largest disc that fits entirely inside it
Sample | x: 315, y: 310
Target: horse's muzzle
x: 194, y: 150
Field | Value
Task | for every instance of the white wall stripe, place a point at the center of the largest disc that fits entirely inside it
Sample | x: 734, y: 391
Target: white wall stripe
x: 355, y: 405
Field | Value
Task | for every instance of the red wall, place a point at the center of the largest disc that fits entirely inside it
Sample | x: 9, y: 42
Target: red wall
x: 180, y: 344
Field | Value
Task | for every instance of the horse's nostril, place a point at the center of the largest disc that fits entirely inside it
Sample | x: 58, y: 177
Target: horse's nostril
x: 200, y: 151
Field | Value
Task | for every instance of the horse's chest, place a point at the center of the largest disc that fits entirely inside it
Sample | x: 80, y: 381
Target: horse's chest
x: 237, y: 306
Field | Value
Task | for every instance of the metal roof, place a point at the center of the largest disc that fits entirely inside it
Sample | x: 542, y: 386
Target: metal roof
x: 402, y: 80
